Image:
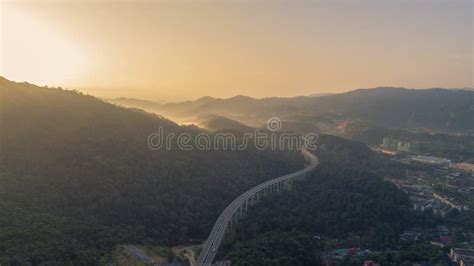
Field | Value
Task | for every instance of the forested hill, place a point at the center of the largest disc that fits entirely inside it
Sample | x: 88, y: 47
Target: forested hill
x: 77, y: 178
x: 41, y: 127
x: 436, y: 109
x: 439, y: 109
x: 218, y: 123
x: 343, y: 198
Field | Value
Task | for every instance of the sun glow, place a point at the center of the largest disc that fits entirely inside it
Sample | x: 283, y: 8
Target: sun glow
x: 178, y: 50
x: 33, y: 51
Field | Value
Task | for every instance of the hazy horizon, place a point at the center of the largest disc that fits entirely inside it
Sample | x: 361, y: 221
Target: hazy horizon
x: 179, y: 51
x: 97, y: 93
x: 236, y: 132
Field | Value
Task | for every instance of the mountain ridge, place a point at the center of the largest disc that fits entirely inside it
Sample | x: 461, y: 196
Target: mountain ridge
x: 438, y: 109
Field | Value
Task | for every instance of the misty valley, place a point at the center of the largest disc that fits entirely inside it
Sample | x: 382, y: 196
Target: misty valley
x: 80, y: 185
x: 236, y: 133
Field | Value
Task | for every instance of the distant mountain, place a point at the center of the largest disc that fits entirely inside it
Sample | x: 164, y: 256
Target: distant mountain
x: 463, y: 89
x: 244, y: 109
x: 320, y: 94
x: 135, y: 102
x: 146, y: 105
x: 435, y: 109
x: 219, y: 123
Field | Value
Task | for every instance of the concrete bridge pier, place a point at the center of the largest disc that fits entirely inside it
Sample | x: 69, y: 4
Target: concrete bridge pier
x: 233, y: 220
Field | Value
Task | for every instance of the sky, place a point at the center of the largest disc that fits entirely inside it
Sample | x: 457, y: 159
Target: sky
x: 177, y: 50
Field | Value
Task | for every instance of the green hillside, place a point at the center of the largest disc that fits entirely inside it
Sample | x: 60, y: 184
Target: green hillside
x: 77, y: 178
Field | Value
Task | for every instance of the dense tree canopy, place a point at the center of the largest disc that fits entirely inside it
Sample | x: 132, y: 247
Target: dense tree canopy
x: 77, y: 178
x: 341, y: 198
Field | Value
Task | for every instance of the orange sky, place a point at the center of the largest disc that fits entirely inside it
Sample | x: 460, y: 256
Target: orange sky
x: 186, y: 49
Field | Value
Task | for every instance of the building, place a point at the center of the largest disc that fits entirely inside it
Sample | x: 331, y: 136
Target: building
x: 450, y: 202
x: 397, y: 145
x: 431, y: 160
x: 410, y: 147
x: 464, y: 257
x: 468, y: 167
x: 390, y: 143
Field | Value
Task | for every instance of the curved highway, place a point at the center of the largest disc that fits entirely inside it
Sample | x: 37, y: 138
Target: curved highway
x: 235, y: 209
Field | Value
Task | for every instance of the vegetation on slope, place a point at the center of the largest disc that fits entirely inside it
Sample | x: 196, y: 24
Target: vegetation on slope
x: 341, y: 198
x: 77, y: 178
x: 443, y: 110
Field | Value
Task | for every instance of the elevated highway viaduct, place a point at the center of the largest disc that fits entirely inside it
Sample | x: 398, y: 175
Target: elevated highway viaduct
x: 236, y: 209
